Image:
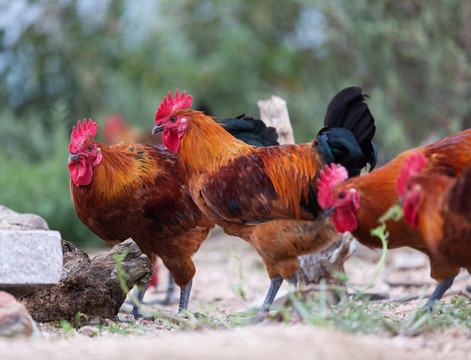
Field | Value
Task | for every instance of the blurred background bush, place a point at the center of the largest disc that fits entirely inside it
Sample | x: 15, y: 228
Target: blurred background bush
x: 65, y: 60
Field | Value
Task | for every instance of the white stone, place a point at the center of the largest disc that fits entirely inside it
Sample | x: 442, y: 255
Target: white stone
x: 29, y: 258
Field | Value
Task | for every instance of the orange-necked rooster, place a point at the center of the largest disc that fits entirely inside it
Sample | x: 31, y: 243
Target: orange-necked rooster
x: 134, y: 190
x: 440, y: 207
x: 356, y: 204
x: 267, y: 195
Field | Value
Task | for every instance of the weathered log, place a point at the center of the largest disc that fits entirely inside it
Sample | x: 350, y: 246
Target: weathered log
x: 327, y: 263
x: 89, y: 287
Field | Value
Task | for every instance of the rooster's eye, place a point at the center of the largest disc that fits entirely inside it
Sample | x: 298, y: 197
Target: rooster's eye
x: 90, y: 148
x: 342, y: 195
x: 173, y: 119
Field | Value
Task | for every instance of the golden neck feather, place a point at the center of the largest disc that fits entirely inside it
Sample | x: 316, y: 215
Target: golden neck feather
x: 121, y: 171
x: 206, y: 145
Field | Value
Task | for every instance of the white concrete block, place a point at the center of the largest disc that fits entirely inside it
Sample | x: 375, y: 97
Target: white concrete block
x: 29, y: 259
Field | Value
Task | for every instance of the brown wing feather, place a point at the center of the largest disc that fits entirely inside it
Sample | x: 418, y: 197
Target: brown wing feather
x: 269, y: 183
x: 444, y: 215
x: 455, y: 246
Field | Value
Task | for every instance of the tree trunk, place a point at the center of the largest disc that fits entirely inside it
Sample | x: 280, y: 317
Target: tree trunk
x: 274, y: 112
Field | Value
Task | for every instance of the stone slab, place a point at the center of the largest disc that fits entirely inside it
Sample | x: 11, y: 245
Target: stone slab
x: 29, y: 260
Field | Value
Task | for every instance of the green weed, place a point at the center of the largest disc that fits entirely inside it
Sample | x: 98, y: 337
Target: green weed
x: 236, y: 271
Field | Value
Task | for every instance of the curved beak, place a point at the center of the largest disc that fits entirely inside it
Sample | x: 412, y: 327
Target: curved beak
x: 329, y: 212
x: 157, y: 129
x: 74, y: 157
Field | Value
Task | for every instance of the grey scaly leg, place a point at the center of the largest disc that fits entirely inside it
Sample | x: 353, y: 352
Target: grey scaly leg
x: 275, y: 284
x: 185, y: 297
x: 139, y: 296
x: 439, y: 291
x: 169, y: 298
x: 294, y: 279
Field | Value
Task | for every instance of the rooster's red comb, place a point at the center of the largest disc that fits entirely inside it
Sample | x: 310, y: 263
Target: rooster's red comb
x: 82, y: 133
x: 333, y: 175
x: 167, y: 107
x: 412, y: 166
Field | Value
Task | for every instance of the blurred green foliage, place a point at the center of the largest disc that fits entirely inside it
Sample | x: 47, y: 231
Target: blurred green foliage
x: 73, y: 59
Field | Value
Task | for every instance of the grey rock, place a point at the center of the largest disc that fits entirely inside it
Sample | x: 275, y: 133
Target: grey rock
x: 15, y: 320
x: 11, y: 220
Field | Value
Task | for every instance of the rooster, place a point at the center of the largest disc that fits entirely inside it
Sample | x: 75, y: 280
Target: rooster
x: 356, y: 204
x: 440, y: 207
x: 267, y: 195
x: 134, y: 190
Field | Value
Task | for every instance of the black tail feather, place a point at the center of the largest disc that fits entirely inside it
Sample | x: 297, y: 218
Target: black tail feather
x: 348, y: 132
x: 251, y: 131
x: 371, y: 154
x: 348, y: 110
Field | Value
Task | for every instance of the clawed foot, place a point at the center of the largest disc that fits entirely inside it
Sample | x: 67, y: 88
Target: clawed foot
x: 261, y: 316
x: 430, y: 304
x: 438, y: 292
x: 139, y: 315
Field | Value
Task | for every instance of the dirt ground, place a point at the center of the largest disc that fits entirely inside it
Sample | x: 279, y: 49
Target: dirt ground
x: 223, y: 263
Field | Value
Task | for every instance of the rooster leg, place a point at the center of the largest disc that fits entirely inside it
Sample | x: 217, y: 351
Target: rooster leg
x: 185, y: 297
x: 139, y: 296
x: 169, y: 298
x: 294, y: 280
x: 439, y: 291
x: 275, y: 284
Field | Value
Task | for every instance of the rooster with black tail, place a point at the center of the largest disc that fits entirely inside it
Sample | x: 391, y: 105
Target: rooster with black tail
x: 267, y: 195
